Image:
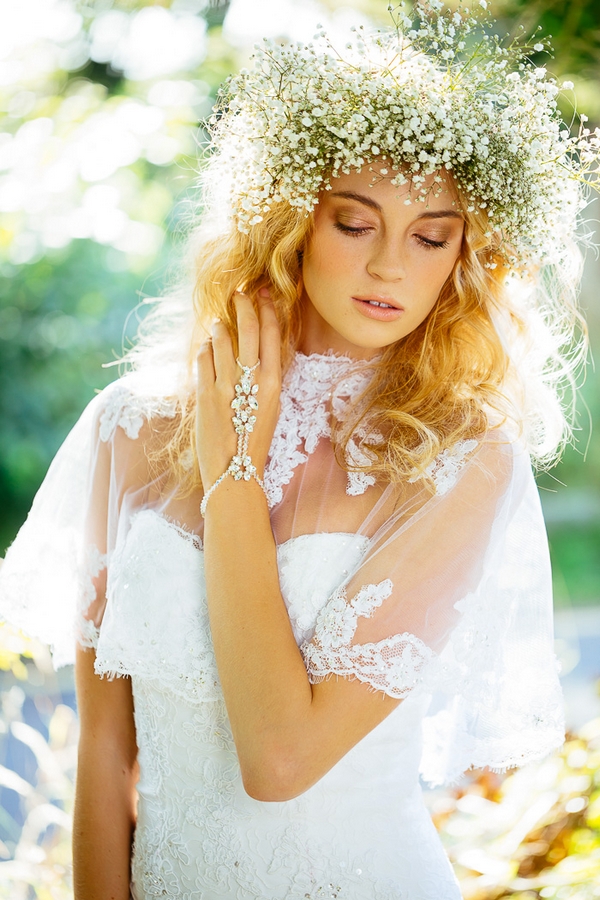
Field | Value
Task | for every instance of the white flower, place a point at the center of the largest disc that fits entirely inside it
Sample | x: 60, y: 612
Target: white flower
x: 304, y: 114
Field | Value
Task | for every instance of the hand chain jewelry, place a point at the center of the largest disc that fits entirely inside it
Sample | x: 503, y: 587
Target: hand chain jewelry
x: 244, y: 403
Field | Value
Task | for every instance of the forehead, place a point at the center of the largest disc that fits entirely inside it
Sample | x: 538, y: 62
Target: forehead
x: 371, y: 185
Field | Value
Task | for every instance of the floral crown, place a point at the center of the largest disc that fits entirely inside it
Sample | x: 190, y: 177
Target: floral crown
x: 435, y: 92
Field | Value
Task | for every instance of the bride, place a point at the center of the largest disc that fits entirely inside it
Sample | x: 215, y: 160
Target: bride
x: 301, y: 539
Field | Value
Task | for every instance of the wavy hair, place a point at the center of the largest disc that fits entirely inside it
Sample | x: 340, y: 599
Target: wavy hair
x: 500, y: 347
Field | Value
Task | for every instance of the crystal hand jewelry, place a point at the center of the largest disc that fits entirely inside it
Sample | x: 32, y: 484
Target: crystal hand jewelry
x: 244, y: 405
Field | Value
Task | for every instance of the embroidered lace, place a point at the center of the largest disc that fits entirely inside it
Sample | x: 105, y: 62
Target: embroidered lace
x: 441, y: 600
x: 391, y: 665
x: 314, y: 386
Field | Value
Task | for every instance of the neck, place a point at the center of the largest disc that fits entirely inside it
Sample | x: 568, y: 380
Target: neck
x: 317, y: 336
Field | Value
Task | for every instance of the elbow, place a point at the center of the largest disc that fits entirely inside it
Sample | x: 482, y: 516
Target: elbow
x: 269, y: 789
x: 275, y: 779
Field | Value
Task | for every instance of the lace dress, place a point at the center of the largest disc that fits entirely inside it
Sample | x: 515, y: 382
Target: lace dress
x: 435, y: 592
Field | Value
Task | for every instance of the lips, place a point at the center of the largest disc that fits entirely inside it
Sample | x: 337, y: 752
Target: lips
x: 379, y: 301
x: 379, y: 307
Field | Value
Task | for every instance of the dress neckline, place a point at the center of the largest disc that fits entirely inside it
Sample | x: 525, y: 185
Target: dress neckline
x: 194, y: 538
x: 329, y: 367
x: 318, y: 388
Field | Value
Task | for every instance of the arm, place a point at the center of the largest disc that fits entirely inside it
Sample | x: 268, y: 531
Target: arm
x: 288, y: 733
x: 104, y: 817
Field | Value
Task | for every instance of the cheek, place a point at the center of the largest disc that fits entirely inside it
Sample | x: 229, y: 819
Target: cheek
x: 327, y: 259
x: 441, y: 272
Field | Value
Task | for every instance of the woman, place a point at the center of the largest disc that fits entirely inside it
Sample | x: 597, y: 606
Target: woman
x: 309, y: 543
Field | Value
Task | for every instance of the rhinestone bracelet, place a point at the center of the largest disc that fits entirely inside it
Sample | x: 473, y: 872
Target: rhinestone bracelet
x: 244, y: 405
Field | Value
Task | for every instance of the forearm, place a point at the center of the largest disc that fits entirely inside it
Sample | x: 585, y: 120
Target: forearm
x: 104, y: 821
x: 262, y: 673
x: 105, y: 796
x: 288, y: 733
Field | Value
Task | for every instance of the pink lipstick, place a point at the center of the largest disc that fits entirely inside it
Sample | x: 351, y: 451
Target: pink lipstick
x: 377, y: 306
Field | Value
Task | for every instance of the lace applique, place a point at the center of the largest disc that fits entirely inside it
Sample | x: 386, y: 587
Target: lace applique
x: 87, y: 631
x: 159, y: 559
x: 308, y: 582
x: 359, y: 455
x: 318, y: 871
x: 392, y: 665
x: 444, y: 469
x: 315, y: 387
x: 127, y: 409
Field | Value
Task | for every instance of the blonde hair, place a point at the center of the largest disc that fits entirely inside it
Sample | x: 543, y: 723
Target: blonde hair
x: 500, y: 347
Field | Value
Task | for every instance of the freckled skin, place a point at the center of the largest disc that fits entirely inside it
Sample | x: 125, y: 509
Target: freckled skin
x: 398, y: 252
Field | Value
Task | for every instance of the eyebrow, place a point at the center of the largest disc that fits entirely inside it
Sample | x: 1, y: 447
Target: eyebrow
x: 368, y: 201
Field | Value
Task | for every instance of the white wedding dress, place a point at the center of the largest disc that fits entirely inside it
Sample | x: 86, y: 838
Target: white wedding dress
x: 436, y: 592
x: 360, y: 832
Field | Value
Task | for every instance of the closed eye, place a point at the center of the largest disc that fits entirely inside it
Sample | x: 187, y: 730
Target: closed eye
x: 427, y: 242
x: 348, y: 229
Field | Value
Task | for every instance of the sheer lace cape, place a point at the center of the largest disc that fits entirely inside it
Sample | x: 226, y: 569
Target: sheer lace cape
x: 445, y: 592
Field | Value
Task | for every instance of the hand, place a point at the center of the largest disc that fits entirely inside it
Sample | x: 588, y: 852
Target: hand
x: 218, y: 373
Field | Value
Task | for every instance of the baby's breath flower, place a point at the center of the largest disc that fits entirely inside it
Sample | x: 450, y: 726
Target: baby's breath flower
x: 418, y: 100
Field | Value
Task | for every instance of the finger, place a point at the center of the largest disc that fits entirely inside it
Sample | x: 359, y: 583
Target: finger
x: 270, y: 339
x: 224, y: 362
x: 205, y: 365
x: 248, y: 330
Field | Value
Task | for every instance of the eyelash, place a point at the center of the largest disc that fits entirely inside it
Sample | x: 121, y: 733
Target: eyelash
x: 427, y: 242
x: 346, y: 229
x: 356, y: 232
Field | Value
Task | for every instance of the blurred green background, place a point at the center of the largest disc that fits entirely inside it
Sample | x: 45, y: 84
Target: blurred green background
x: 100, y: 109
x: 100, y: 104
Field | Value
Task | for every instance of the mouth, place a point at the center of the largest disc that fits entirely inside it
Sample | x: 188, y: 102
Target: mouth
x: 380, y: 302
x: 375, y: 303
x: 381, y: 308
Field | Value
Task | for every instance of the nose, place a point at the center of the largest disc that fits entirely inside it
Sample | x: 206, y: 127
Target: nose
x: 386, y: 262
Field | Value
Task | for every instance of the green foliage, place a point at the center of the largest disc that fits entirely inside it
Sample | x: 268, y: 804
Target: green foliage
x: 61, y: 319
x: 84, y: 235
x: 575, y: 30
x: 576, y: 562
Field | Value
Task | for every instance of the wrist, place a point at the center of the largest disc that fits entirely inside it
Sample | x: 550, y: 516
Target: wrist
x: 229, y: 493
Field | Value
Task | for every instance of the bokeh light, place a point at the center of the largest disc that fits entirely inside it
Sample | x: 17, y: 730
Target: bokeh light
x: 101, y: 111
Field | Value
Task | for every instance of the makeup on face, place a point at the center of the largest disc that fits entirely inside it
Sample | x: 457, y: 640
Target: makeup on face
x: 375, y: 264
